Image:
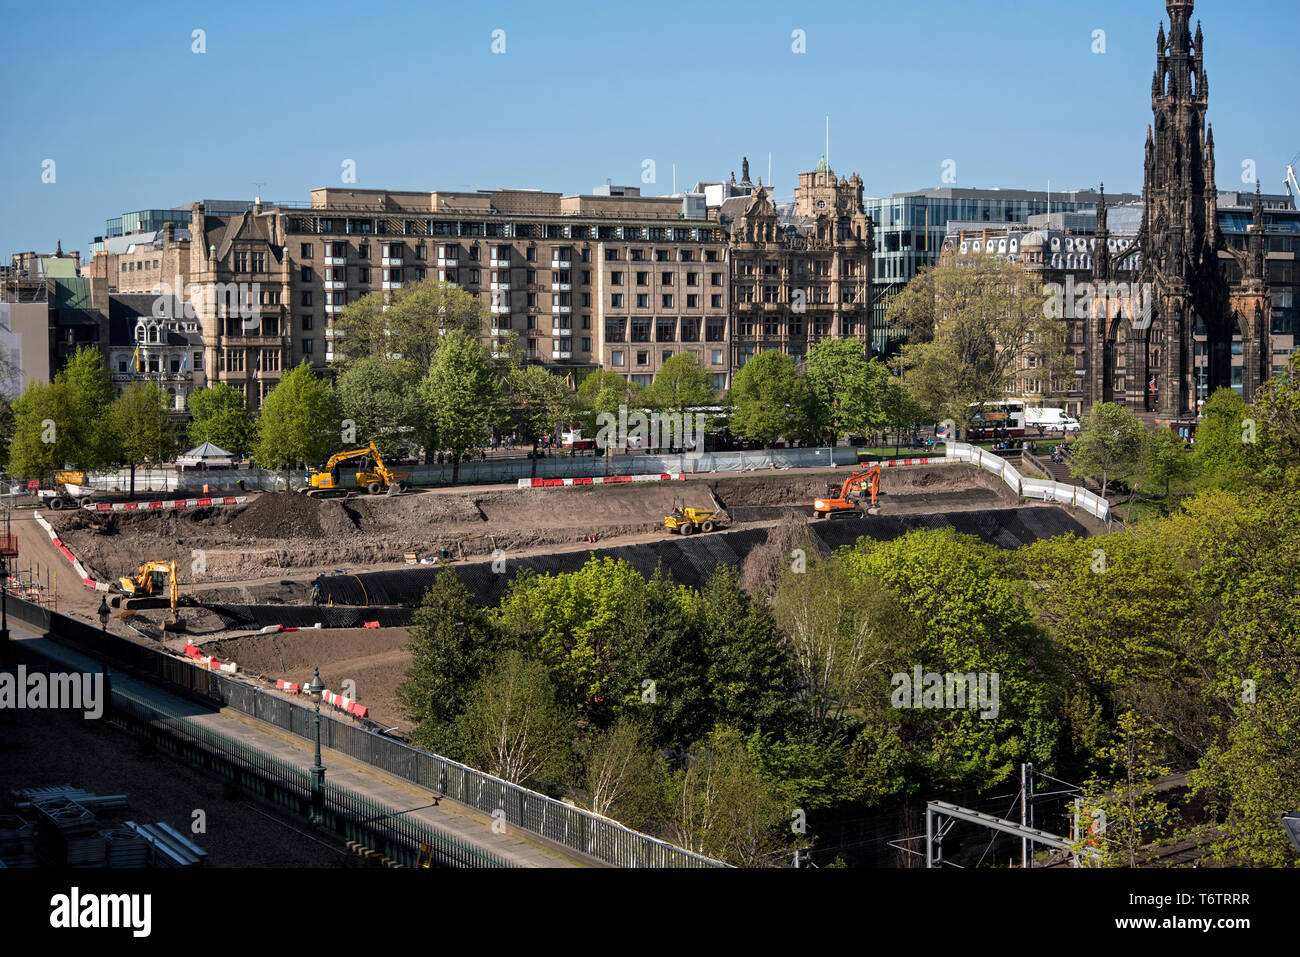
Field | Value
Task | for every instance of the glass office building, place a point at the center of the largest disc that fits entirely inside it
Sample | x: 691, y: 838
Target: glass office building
x: 910, y: 228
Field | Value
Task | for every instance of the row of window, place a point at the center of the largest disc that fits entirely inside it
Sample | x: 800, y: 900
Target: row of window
x: 139, y: 266
x: 665, y: 278
x: 572, y: 231
x: 665, y: 301
x: 233, y: 360
x: 504, y: 254
x: 158, y: 363
x: 795, y: 327
x: 685, y: 329
x: 642, y: 356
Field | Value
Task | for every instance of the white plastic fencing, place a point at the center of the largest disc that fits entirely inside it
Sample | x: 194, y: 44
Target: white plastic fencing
x: 1026, y: 487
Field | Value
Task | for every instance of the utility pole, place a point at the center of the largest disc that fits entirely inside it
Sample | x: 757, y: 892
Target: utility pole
x: 1024, y: 817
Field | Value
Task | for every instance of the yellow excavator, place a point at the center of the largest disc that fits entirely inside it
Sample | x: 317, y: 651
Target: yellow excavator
x: 324, y: 482
x: 155, y: 585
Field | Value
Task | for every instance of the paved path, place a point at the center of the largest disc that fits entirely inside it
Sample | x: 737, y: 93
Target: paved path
x: 458, y: 820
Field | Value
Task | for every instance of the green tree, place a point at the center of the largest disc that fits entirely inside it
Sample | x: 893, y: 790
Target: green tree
x: 409, y: 330
x: 972, y: 327
x: 972, y: 619
x: 655, y: 662
x: 1164, y: 460
x: 900, y: 409
x: 382, y: 406
x: 1109, y: 446
x: 219, y: 414
x: 603, y: 391
x: 458, y: 396
x: 1226, y: 448
x: 1118, y: 606
x: 568, y: 620
x: 538, y: 402
x: 748, y: 672
x: 721, y: 805
x: 300, y: 421
x: 681, y: 383
x: 65, y: 422
x: 1252, y: 778
x: 513, y: 726
x: 6, y: 431
x: 453, y: 644
x: 1277, y: 411
x: 771, y: 399
x: 848, y: 389
x: 86, y: 373
x: 840, y: 632
x: 141, y: 426
x: 620, y: 774
x: 1120, y: 815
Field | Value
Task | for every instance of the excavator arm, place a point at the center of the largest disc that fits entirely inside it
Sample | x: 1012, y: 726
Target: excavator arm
x: 841, y: 503
x: 339, y: 458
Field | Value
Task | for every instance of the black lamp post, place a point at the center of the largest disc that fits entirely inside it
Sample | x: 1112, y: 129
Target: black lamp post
x: 315, y: 688
x: 103, y: 612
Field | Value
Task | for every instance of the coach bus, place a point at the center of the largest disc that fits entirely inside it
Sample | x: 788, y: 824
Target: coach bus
x: 997, y: 420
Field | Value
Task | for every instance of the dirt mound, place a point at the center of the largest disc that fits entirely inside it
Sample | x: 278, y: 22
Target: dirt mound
x: 279, y: 515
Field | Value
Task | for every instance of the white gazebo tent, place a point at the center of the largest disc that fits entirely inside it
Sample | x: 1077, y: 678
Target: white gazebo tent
x: 205, y: 456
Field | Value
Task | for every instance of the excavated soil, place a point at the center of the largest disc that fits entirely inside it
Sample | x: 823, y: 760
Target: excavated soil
x: 243, y: 552
x: 374, y: 660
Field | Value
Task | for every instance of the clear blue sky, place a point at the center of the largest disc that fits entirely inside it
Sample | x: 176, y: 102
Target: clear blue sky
x: 412, y: 92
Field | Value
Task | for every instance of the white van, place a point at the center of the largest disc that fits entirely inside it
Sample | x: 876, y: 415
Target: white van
x: 1051, y: 420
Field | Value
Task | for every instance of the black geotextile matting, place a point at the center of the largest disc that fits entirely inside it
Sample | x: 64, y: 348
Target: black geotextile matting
x: 306, y: 616
x: 692, y: 560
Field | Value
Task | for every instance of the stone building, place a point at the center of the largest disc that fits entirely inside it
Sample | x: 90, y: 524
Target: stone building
x: 145, y: 262
x: 804, y: 277
x: 239, y: 288
x: 611, y: 280
x: 149, y: 344
x: 1219, y: 270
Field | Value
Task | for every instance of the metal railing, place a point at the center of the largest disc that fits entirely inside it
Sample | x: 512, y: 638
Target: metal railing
x: 345, y: 813
x: 565, y: 824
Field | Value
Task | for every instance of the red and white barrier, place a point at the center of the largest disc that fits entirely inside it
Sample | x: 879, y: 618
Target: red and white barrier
x: 166, y: 503
x: 344, y: 703
x: 208, y: 661
x: 289, y: 686
x: 597, y: 480
x: 79, y: 568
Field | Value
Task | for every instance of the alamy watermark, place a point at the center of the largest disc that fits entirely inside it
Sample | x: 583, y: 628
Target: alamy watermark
x: 932, y: 690
x: 240, y: 300
x: 36, y: 690
x: 658, y: 431
x: 1085, y: 300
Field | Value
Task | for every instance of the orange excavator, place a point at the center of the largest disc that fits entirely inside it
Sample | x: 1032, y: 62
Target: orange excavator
x: 841, y: 501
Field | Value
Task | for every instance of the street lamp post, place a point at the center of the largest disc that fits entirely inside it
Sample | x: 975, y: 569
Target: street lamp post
x: 315, y: 689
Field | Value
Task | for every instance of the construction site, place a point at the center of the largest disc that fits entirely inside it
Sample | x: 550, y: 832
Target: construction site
x: 284, y: 582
